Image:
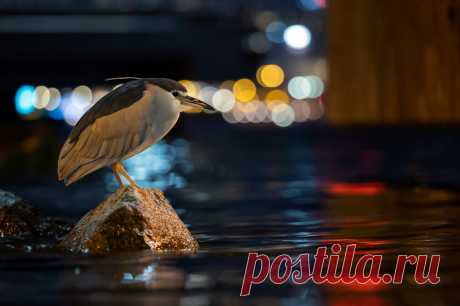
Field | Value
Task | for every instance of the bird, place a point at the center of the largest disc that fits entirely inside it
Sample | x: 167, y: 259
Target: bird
x: 126, y: 121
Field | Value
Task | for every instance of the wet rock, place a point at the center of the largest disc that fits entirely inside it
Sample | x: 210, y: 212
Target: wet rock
x: 17, y: 218
x: 130, y: 219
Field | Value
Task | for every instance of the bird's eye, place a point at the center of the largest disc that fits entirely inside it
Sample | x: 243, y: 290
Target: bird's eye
x: 175, y: 93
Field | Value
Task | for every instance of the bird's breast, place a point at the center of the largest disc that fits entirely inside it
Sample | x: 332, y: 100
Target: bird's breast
x: 162, y: 113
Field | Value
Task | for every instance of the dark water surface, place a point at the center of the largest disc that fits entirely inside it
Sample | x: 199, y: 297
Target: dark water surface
x: 389, y: 190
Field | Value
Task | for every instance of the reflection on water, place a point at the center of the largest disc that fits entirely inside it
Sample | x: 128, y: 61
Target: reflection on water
x: 381, y: 190
x: 159, y: 166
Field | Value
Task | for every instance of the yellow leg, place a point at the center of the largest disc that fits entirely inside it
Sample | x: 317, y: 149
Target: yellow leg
x: 119, y: 169
x: 117, y: 176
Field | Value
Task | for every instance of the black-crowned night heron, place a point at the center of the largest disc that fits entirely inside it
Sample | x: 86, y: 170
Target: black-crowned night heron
x: 123, y: 123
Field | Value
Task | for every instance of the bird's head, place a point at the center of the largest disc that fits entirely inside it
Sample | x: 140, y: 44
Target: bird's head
x: 176, y: 89
x: 180, y: 93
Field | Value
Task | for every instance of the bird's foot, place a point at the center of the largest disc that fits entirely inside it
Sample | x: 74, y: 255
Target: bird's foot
x: 118, y: 170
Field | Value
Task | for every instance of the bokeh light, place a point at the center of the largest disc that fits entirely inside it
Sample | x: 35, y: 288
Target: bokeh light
x: 270, y: 75
x: 206, y: 93
x: 283, y: 115
x: 223, y: 100
x: 25, y: 100
x: 54, y: 100
x: 316, y: 109
x: 228, y: 84
x: 238, y: 115
x: 275, y: 97
x: 192, y: 88
x: 244, y: 90
x: 98, y: 93
x: 302, y: 110
x: 261, y: 112
x: 263, y: 18
x: 275, y: 31
x: 42, y: 97
x: 71, y: 111
x: 303, y: 87
x: 312, y: 5
x: 299, y: 87
x: 297, y: 36
x: 248, y: 109
x: 82, y: 97
x: 258, y: 43
x: 316, y: 84
x: 229, y: 118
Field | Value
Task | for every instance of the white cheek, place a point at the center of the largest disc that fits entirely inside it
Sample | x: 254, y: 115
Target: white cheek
x: 176, y: 104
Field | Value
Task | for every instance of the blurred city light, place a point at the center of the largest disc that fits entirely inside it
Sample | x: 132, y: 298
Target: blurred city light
x: 316, y: 109
x: 238, y: 101
x: 25, y: 100
x: 238, y: 115
x: 56, y: 114
x: 244, y: 90
x: 98, y: 93
x: 299, y: 88
x: 302, y: 110
x: 228, y: 84
x: 206, y: 93
x: 297, y: 36
x: 283, y: 115
x: 249, y: 110
x: 82, y: 96
x: 42, y: 97
x: 72, y: 111
x: 223, y: 100
x: 312, y: 5
x: 228, y: 117
x: 191, y: 87
x: 54, y: 100
x: 275, y: 31
x: 258, y: 43
x: 270, y: 75
x: 275, y: 97
x: 317, y: 86
x: 262, y: 19
x: 262, y: 112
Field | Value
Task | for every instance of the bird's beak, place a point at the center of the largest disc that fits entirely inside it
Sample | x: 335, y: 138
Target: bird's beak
x: 187, y: 100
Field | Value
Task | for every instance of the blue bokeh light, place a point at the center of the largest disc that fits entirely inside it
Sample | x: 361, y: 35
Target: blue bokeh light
x: 274, y: 31
x: 56, y: 114
x: 24, y: 100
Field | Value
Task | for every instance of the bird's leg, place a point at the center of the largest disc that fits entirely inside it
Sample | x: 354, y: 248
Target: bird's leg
x: 117, y: 175
x: 121, y: 170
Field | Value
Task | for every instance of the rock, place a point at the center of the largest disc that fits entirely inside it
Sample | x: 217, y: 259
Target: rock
x: 130, y: 219
x: 17, y: 218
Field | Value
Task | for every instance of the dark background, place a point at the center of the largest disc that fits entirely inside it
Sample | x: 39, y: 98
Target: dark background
x: 380, y: 169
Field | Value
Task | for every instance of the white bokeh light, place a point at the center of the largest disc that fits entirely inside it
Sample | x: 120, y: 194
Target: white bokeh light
x: 299, y: 88
x: 297, y: 36
x: 55, y: 99
x: 283, y: 115
x: 82, y: 96
x: 223, y: 100
x: 317, y: 86
x: 42, y: 97
x: 72, y: 112
x: 206, y: 93
x: 274, y: 31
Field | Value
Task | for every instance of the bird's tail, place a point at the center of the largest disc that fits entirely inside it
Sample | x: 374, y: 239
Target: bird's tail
x: 71, y: 167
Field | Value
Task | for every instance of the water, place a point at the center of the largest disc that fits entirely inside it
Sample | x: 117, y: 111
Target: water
x: 389, y: 190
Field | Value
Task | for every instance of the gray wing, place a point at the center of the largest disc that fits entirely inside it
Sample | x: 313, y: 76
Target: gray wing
x: 107, y: 135
x: 114, y: 101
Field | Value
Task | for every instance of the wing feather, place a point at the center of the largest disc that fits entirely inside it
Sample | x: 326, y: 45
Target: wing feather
x: 106, y: 140
x: 114, y: 101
